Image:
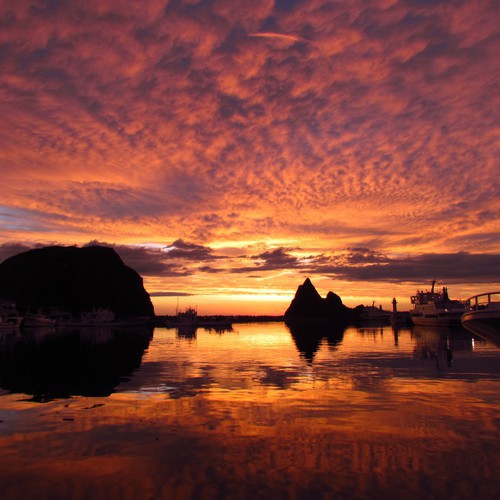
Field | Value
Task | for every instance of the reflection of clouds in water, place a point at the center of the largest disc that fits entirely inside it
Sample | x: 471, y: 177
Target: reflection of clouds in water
x: 227, y: 416
x: 279, y: 378
x: 87, y: 362
x: 366, y: 360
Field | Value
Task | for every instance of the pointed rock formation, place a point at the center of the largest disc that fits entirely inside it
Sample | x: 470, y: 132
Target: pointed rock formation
x: 308, y: 305
x: 307, y: 302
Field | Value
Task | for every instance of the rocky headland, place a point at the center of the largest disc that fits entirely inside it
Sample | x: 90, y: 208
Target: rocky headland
x: 74, y: 280
x: 308, y: 306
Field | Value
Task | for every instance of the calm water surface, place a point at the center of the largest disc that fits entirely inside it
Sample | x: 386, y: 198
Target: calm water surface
x: 258, y: 412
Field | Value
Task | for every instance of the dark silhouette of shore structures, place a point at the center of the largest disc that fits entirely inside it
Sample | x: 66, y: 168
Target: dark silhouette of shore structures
x: 68, y: 283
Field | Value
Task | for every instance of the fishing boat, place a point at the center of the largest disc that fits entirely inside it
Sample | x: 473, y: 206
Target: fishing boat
x: 436, y: 308
x: 189, y: 318
x: 482, y: 315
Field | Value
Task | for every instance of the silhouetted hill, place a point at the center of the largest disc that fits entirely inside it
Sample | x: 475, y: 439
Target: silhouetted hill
x: 74, y: 280
x: 308, y: 305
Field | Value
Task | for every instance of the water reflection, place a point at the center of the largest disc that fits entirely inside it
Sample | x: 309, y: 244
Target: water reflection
x: 188, y: 332
x: 308, y: 337
x: 491, y: 333
x: 46, y: 364
x: 439, y: 344
x: 264, y: 412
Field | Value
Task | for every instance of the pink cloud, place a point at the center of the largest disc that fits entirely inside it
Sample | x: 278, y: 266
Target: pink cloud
x: 352, y: 118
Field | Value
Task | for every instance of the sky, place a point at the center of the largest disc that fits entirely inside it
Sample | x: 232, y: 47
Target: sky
x: 229, y: 149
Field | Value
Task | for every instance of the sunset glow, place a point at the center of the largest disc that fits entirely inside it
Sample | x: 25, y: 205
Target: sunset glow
x: 229, y: 150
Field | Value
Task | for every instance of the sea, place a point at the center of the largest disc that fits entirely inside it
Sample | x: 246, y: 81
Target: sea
x: 260, y: 411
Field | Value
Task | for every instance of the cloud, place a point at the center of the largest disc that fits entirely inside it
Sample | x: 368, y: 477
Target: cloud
x: 325, y: 125
x: 103, y: 201
x: 460, y: 267
x: 365, y: 265
x: 278, y: 36
x: 181, y: 249
x: 270, y: 260
x: 278, y: 258
x: 148, y: 261
x: 211, y: 270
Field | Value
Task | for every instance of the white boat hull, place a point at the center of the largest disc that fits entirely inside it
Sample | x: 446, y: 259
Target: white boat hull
x: 483, y: 316
x: 429, y: 321
x: 485, y: 324
x: 436, y: 308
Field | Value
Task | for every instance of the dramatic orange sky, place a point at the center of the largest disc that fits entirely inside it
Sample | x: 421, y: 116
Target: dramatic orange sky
x: 229, y: 149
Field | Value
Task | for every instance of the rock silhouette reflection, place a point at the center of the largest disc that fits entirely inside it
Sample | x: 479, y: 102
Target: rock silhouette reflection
x: 82, y: 362
x: 308, y: 336
x: 188, y: 332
